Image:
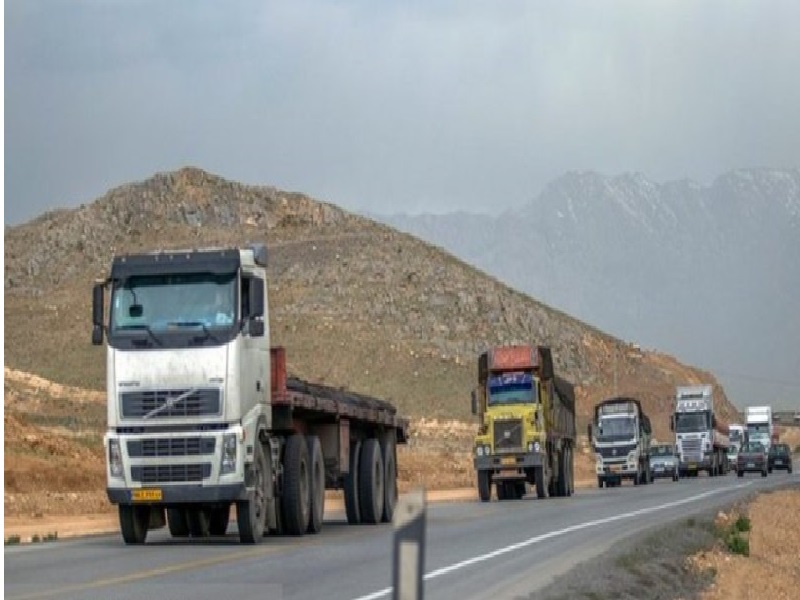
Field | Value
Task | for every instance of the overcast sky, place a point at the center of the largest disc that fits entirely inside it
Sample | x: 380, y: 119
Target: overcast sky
x: 388, y: 107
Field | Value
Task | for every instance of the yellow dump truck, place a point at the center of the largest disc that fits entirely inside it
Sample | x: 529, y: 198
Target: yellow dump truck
x: 526, y: 424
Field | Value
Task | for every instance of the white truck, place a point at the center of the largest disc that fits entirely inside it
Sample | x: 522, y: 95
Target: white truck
x: 620, y: 434
x: 202, y: 415
x: 759, y: 425
x: 701, y: 438
x: 736, y: 437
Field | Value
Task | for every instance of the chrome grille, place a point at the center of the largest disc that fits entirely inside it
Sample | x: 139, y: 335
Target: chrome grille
x: 691, y: 449
x: 170, y: 473
x: 616, y: 452
x: 193, y: 446
x: 163, y: 404
x: 508, y: 435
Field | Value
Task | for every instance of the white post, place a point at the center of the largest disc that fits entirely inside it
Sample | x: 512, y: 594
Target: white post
x: 409, y: 547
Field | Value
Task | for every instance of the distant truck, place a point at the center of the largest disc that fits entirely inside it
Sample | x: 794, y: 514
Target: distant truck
x: 526, y: 424
x: 736, y: 438
x: 621, y: 436
x: 759, y: 425
x: 701, y: 437
x: 203, y: 416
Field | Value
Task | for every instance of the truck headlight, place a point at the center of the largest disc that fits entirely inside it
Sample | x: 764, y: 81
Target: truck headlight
x: 114, y: 458
x: 487, y: 450
x: 479, y: 450
x: 228, y: 464
x: 530, y: 446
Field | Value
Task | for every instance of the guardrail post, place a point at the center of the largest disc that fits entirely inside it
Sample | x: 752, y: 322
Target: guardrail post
x: 408, y: 565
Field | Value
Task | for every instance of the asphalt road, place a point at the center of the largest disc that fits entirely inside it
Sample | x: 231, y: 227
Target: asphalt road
x: 474, y: 550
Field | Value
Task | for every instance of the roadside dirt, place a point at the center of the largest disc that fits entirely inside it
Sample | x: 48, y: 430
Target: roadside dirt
x: 772, y: 569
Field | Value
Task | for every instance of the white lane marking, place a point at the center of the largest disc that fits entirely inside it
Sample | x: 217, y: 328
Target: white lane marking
x: 546, y: 536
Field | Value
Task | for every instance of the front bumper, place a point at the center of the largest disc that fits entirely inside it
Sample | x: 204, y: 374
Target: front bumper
x: 613, y: 470
x: 751, y: 466
x: 508, y: 465
x: 182, y: 494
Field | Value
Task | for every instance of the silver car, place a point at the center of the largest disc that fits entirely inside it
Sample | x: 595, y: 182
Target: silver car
x: 663, y: 461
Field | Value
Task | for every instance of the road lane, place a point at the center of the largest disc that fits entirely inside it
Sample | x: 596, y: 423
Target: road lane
x: 473, y: 549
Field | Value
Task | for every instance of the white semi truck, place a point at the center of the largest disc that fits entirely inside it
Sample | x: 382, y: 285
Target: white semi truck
x: 701, y: 437
x: 202, y: 415
x: 759, y: 425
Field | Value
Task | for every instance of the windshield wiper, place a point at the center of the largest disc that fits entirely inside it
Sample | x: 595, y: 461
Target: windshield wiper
x: 206, y: 330
x: 147, y: 329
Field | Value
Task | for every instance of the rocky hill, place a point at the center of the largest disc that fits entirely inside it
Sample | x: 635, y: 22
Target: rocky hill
x: 358, y: 304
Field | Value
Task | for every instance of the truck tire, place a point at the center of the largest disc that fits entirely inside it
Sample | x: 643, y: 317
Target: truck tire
x: 500, y: 490
x: 133, y: 522
x: 296, y: 492
x: 390, y: 480
x: 571, y: 470
x: 218, y: 520
x: 317, y: 481
x: 351, y: 504
x: 484, y: 486
x: 600, y: 482
x: 538, y: 476
x: 561, y: 485
x: 251, y: 514
x: 177, y: 522
x: 371, y: 484
x: 199, y: 520
x: 519, y: 490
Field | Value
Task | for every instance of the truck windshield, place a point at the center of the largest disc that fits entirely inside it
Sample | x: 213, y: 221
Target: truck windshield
x: 168, y: 302
x: 735, y: 435
x: 661, y: 451
x: 687, y: 422
x: 512, y: 388
x: 616, y: 429
x: 758, y: 428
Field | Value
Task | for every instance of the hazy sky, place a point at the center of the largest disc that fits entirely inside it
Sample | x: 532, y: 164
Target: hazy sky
x: 386, y: 107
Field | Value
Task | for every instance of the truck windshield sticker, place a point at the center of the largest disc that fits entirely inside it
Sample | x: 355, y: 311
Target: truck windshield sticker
x: 617, y: 408
x: 163, y: 302
x: 512, y: 388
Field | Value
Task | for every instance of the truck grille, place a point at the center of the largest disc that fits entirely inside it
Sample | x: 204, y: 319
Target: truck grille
x: 691, y: 449
x: 616, y: 453
x: 193, y: 446
x: 170, y: 473
x: 508, y: 435
x: 163, y: 404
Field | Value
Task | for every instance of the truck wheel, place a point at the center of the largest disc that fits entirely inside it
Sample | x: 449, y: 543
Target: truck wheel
x: 199, y: 522
x: 570, y: 472
x: 538, y: 475
x: 519, y: 490
x: 317, y: 481
x: 561, y: 484
x: 133, y: 522
x: 600, y: 482
x: 764, y: 473
x: 371, y: 484
x: 484, y: 486
x: 501, y: 490
x: 176, y: 520
x: 351, y: 486
x: 390, y: 481
x: 296, y: 486
x: 637, y: 479
x: 251, y: 514
x: 218, y: 520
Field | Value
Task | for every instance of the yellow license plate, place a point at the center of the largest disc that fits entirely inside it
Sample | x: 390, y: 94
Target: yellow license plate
x: 615, y: 468
x: 692, y: 465
x: 508, y: 460
x: 146, y: 495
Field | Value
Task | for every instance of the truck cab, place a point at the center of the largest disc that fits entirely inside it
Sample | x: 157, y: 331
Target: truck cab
x: 759, y: 425
x: 701, y: 438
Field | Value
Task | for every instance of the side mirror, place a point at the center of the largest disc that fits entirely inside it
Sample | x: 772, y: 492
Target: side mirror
x: 672, y: 423
x: 474, y: 403
x: 256, y: 298
x: 589, y: 431
x: 256, y: 328
x: 97, y: 314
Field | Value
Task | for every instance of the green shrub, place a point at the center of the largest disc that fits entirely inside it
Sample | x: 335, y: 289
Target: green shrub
x: 739, y: 545
x: 12, y: 539
x: 742, y: 524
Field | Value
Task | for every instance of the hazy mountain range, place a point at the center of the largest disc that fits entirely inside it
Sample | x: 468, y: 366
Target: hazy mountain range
x: 709, y: 273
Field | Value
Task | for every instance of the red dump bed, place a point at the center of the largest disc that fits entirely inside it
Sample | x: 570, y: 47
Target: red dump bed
x: 337, y: 403
x: 512, y: 357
